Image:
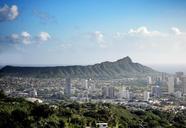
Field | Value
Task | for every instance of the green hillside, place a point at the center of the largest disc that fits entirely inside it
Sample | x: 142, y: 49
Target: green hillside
x: 18, y: 113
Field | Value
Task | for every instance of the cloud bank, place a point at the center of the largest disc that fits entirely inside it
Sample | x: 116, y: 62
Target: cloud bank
x: 25, y: 38
x: 162, y: 46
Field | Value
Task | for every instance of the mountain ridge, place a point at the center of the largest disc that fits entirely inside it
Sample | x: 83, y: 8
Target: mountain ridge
x: 124, y: 67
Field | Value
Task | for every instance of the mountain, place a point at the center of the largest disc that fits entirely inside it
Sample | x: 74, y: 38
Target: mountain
x: 105, y: 70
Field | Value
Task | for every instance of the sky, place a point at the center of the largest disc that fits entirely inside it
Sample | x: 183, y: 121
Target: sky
x: 81, y: 32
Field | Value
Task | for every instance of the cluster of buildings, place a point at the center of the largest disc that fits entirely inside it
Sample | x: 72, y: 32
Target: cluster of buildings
x: 167, y: 85
x: 156, y: 89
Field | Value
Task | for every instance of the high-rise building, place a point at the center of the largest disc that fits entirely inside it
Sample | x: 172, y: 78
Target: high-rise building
x: 164, y: 88
x: 111, y: 92
x: 146, y: 95
x: 104, y: 92
x: 108, y: 92
x: 155, y: 91
x: 67, y: 90
x: 178, y: 81
x: 179, y: 74
x: 33, y: 93
x: 85, y: 83
x: 184, y: 85
x: 149, y: 80
x: 125, y: 93
x: 163, y: 76
x: 170, y: 84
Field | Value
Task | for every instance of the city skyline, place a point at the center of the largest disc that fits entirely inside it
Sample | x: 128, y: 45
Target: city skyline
x: 88, y: 32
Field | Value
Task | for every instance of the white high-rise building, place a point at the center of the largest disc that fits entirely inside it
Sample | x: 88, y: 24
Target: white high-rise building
x: 149, y: 80
x: 146, y: 95
x: 85, y: 83
x: 170, y: 83
x: 178, y: 81
x: 125, y: 93
x: 33, y: 93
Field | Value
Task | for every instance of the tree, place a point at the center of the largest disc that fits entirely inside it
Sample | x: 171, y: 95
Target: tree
x: 41, y: 111
x: 19, y: 115
x: 2, y: 95
x: 5, y: 120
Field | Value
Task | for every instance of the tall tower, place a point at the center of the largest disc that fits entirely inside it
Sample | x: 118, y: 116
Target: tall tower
x: 146, y: 95
x: 67, y: 90
x: 170, y: 83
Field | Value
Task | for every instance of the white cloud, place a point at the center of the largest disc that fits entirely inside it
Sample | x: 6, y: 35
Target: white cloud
x: 13, y: 12
x: 144, y: 32
x: 8, y: 13
x: 177, y: 31
x: 44, y: 36
x: 99, y: 38
x: 26, y: 38
x: 140, y: 30
x: 14, y: 37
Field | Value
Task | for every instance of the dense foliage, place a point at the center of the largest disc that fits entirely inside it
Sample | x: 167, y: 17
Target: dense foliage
x: 18, y: 113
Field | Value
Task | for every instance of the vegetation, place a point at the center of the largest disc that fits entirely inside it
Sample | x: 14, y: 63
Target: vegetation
x: 18, y: 113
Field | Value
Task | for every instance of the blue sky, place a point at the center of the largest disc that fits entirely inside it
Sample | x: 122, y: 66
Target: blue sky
x: 70, y: 32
